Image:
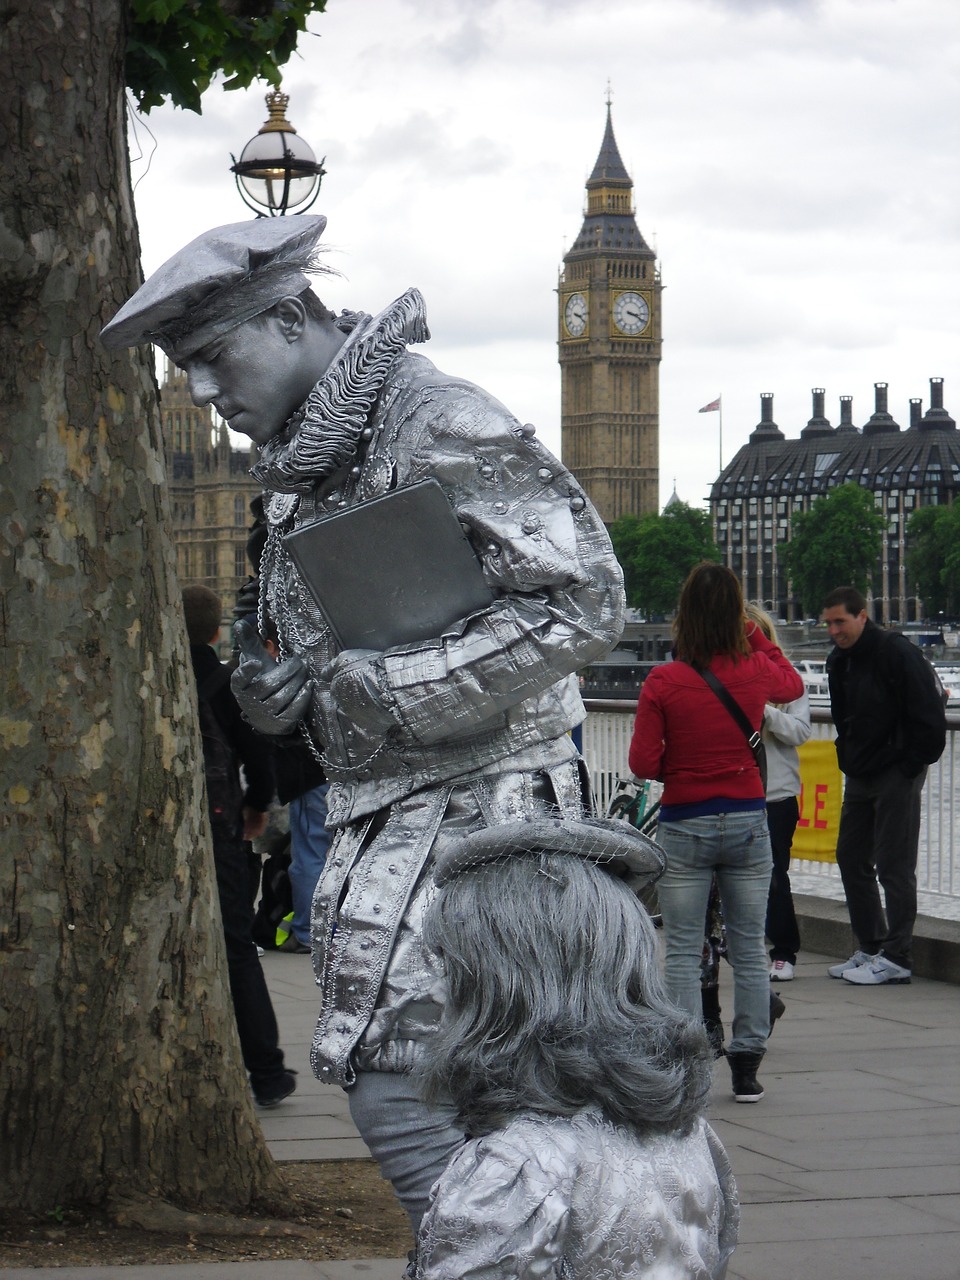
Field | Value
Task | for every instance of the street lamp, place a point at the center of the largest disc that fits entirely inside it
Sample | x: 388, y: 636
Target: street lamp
x: 277, y: 172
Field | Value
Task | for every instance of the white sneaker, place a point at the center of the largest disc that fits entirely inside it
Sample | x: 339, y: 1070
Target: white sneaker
x: 856, y: 960
x: 877, y: 970
x: 781, y: 971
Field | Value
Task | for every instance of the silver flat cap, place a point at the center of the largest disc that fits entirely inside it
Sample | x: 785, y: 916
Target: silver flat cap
x: 218, y: 281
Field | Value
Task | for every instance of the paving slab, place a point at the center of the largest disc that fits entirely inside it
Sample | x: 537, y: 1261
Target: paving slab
x: 848, y: 1168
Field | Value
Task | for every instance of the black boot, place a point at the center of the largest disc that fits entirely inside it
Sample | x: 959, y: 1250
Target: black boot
x: 743, y: 1069
x: 776, y: 1008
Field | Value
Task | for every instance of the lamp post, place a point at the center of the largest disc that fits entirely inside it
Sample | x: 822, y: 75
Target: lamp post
x: 277, y: 171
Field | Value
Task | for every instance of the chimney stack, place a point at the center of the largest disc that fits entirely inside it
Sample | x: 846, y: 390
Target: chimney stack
x: 880, y: 421
x: 936, y: 417
x: 766, y: 428
x: 819, y: 424
x: 846, y: 416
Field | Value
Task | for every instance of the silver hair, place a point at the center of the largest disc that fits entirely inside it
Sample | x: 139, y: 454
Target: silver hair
x: 555, y: 1001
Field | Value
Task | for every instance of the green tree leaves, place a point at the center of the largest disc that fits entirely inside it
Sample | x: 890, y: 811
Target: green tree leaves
x: 657, y: 552
x: 176, y: 47
x: 836, y: 543
x: 933, y: 558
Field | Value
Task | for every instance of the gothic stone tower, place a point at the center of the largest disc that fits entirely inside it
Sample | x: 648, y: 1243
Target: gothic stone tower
x: 610, y: 340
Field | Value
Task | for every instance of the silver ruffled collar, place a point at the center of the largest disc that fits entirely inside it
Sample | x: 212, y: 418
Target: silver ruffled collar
x: 322, y: 436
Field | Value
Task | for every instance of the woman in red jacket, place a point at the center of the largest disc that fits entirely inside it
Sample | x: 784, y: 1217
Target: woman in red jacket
x: 712, y: 815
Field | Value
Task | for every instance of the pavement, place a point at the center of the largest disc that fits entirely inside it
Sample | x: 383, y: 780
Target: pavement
x: 848, y: 1168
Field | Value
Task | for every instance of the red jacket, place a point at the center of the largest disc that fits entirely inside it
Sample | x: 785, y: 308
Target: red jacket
x: 686, y: 737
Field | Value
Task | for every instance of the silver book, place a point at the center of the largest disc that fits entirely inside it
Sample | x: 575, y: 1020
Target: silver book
x: 391, y: 571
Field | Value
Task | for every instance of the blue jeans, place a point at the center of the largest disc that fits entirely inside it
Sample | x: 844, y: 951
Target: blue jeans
x: 735, y: 846
x: 309, y: 842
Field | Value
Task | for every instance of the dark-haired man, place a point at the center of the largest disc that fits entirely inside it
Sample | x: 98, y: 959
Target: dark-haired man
x: 890, y: 725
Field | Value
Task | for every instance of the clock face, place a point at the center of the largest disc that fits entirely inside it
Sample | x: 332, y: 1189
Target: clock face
x: 631, y: 313
x: 575, y: 315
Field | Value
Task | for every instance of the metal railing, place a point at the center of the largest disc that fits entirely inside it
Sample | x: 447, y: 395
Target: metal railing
x: 606, y: 743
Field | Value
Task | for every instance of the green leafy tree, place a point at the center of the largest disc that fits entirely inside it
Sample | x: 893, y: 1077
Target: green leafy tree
x: 656, y: 552
x: 120, y: 1071
x: 175, y: 48
x: 835, y: 543
x: 933, y: 557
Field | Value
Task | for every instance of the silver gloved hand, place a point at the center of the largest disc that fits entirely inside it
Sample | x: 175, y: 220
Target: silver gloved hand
x: 273, y: 696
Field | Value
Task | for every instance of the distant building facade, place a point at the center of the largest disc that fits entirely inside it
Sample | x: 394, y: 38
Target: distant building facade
x: 210, y: 490
x: 771, y: 478
x: 609, y: 341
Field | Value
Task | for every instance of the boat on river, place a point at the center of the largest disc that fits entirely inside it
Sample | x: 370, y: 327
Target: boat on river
x: 813, y: 673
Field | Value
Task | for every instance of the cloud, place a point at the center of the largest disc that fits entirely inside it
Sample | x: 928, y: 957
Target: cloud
x: 794, y: 164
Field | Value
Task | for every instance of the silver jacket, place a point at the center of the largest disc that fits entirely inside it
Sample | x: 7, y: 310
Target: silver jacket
x: 421, y: 728
x: 500, y: 681
x: 551, y: 1198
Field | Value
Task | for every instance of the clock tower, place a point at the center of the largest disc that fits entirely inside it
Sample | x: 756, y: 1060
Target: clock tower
x: 609, y: 341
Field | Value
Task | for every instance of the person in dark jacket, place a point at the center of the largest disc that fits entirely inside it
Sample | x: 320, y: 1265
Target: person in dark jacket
x: 890, y: 725
x: 236, y: 814
x: 300, y: 778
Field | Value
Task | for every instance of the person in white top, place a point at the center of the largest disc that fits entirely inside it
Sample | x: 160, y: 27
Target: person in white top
x: 785, y: 727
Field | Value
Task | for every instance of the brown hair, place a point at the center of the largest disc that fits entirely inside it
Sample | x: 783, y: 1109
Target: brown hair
x: 710, y: 619
x: 848, y: 598
x: 202, y: 610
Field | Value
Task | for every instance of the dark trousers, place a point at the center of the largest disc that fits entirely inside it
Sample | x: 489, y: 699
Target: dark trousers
x: 256, y: 1021
x: 879, y: 834
x: 781, y: 927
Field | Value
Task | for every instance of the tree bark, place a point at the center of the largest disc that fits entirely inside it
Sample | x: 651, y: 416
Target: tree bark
x: 120, y: 1068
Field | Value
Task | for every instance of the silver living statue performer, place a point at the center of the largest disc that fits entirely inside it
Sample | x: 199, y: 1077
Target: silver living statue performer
x: 462, y: 731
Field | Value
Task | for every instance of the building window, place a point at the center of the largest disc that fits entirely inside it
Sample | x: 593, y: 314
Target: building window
x: 210, y: 562
x: 240, y: 560
x: 239, y: 509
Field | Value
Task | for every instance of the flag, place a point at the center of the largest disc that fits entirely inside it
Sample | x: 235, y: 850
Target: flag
x: 712, y: 407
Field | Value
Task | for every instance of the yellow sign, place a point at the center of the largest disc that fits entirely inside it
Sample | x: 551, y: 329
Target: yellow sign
x: 821, y: 794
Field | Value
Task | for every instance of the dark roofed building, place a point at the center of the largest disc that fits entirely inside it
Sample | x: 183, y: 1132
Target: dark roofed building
x: 771, y: 478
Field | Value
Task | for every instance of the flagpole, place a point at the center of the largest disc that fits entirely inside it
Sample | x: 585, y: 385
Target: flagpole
x: 720, y: 414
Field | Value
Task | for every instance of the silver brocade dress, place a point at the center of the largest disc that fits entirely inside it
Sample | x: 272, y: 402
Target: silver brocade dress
x: 465, y: 729
x: 551, y: 1198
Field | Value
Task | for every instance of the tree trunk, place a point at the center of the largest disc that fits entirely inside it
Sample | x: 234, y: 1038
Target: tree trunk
x: 120, y: 1068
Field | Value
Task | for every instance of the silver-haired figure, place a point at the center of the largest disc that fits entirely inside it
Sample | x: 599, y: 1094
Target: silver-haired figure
x: 464, y: 729
x: 582, y: 1088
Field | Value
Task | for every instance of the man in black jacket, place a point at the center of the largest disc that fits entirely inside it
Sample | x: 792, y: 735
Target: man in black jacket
x: 236, y: 815
x: 890, y: 723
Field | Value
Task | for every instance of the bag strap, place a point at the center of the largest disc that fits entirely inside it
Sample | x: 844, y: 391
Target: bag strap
x: 753, y: 737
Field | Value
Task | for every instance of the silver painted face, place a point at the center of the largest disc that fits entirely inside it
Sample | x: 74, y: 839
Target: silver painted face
x: 250, y: 375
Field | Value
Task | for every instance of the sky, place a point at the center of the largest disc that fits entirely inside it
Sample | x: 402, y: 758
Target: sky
x: 795, y: 168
